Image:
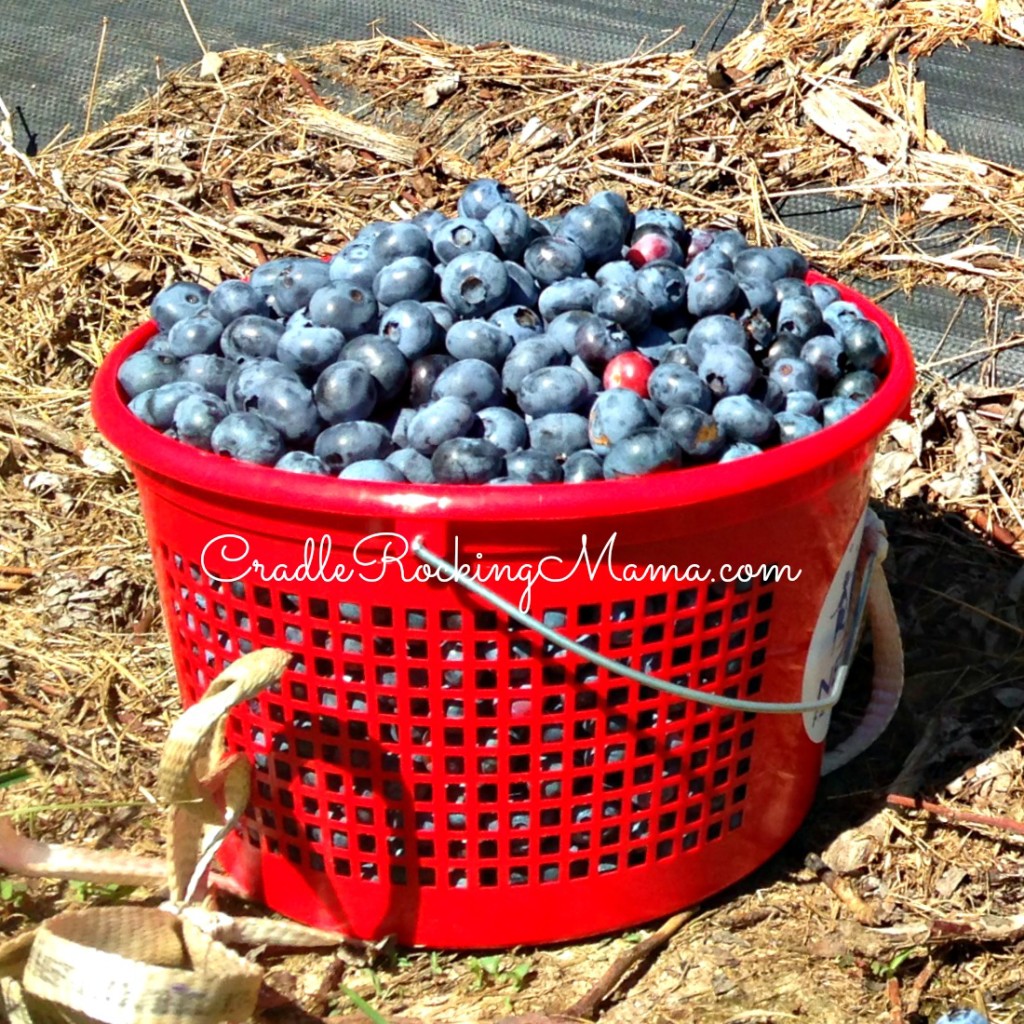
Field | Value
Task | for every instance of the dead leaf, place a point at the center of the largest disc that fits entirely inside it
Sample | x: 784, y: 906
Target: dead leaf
x: 889, y: 469
x: 836, y: 114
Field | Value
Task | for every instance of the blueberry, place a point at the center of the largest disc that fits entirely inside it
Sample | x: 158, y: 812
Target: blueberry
x: 598, y: 233
x: 244, y: 385
x: 742, y: 418
x: 592, y: 380
x: 176, y: 302
x: 653, y: 342
x: 727, y: 370
x: 799, y: 317
x: 680, y: 355
x: 482, y: 196
x: 430, y: 221
x: 711, y: 331
x: 663, y: 285
x: 551, y: 389
x: 397, y: 421
x: 784, y: 347
x: 369, y: 232
x: 523, y: 290
x: 473, y: 380
x: 288, y: 406
x: 859, y: 386
x: 413, y: 465
x: 794, y: 425
x: 248, y: 437
x: 672, y: 384
x: 409, y: 277
x: 768, y: 392
x: 355, y: 265
x: 739, y: 450
x: 757, y: 262
x: 478, y: 339
x: 529, y: 355
x: 582, y: 467
x: 475, y: 284
x: 824, y: 294
x: 713, y: 291
x: 345, y: 391
x: 194, y: 335
x: 377, y: 470
x: 145, y: 370
x: 552, y: 259
x: 509, y: 224
x: 620, y: 272
x: 839, y: 314
x: 442, y: 313
x: 295, y: 286
x: 615, y: 415
x: 710, y: 259
x: 794, y: 375
x: 794, y: 263
x: 388, y: 367
x: 559, y: 434
x: 400, y: 241
x: 423, y: 373
x: 232, y: 299
x: 249, y: 337
x: 467, y: 460
x: 346, y: 307
x: 599, y: 341
x: 625, y: 306
x: 504, y: 428
x: 651, y: 450
x: 664, y: 220
x: 533, y: 467
x: 562, y: 329
x: 195, y: 416
x: 759, y: 329
x: 309, y: 349
x: 835, y: 409
x: 302, y: 462
x: 963, y: 1015
x: 344, y: 443
x: 760, y: 294
x: 568, y: 294
x: 446, y: 418
x: 208, y: 371
x: 156, y: 406
x: 863, y: 344
x: 695, y: 431
x: 730, y: 241
x: 517, y: 322
x: 463, y: 234
x: 804, y: 402
x: 615, y: 203
x: 412, y: 327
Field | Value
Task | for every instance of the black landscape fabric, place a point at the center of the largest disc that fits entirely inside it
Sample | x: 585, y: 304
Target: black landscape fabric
x: 48, y: 50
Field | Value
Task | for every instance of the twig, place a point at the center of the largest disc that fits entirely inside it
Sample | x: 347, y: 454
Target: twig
x: 892, y: 990
x: 228, y: 191
x: 955, y: 813
x: 912, y: 999
x: 587, y: 1007
x: 842, y: 889
x: 94, y: 85
x: 303, y: 82
x: 20, y: 423
x: 987, y: 524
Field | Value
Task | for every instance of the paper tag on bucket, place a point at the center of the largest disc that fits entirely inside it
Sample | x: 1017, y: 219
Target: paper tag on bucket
x: 833, y: 635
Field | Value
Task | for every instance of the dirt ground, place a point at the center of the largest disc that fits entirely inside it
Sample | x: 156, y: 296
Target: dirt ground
x: 927, y: 910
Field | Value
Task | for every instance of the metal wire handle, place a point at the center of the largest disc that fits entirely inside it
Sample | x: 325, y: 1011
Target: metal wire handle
x: 713, y: 699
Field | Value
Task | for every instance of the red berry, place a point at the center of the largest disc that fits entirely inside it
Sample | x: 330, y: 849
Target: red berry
x: 648, y: 248
x: 628, y: 370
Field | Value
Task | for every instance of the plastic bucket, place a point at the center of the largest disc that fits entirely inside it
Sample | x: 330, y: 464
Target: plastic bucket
x: 431, y: 769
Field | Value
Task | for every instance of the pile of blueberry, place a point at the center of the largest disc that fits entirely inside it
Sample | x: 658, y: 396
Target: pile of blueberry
x: 492, y: 347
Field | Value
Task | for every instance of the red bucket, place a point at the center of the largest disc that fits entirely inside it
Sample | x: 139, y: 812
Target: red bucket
x: 431, y: 769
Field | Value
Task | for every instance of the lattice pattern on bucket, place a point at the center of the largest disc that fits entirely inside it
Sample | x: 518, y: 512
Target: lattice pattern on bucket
x: 441, y: 747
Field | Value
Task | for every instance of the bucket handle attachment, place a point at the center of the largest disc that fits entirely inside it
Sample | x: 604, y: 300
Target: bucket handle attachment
x: 874, y: 598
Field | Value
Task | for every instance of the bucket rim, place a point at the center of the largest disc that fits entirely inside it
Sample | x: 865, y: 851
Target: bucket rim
x: 147, y: 448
